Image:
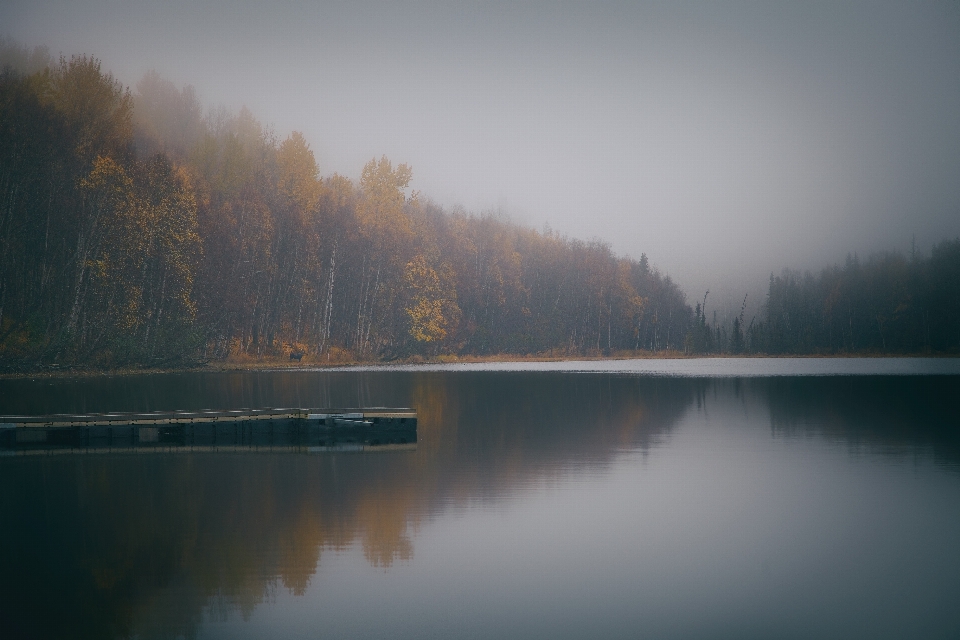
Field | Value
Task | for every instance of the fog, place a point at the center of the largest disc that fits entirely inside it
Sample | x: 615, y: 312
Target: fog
x: 724, y: 140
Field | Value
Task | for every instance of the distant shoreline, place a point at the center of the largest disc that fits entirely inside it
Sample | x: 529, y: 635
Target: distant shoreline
x: 281, y: 364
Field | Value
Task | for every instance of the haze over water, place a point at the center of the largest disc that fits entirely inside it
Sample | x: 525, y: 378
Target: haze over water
x: 538, y: 503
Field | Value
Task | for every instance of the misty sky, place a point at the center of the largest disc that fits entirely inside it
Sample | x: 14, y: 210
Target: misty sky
x: 724, y: 139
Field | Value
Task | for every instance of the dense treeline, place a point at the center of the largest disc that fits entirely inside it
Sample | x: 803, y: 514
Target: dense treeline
x: 885, y: 304
x: 136, y: 230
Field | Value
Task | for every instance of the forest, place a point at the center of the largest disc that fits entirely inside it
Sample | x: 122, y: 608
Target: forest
x: 886, y: 304
x: 136, y: 229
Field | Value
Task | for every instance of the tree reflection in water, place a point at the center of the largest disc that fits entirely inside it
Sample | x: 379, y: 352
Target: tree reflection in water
x: 100, y: 546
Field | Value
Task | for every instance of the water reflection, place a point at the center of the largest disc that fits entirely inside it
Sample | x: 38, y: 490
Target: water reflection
x: 141, y: 545
x: 888, y: 415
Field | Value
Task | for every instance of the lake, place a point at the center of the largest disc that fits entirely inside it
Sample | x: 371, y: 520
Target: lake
x: 795, y: 498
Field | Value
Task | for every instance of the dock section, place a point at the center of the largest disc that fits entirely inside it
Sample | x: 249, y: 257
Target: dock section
x: 293, y: 430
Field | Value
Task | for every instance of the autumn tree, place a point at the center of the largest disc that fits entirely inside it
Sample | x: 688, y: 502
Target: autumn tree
x: 298, y: 239
x: 135, y: 299
x: 383, y: 221
x: 431, y: 303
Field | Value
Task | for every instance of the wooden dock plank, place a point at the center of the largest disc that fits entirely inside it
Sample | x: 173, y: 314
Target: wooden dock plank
x: 341, y: 448
x: 205, y: 416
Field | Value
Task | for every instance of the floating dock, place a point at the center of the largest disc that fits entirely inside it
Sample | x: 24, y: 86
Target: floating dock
x: 265, y: 430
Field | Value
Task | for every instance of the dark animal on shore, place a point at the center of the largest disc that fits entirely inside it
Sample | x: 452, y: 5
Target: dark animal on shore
x: 296, y: 355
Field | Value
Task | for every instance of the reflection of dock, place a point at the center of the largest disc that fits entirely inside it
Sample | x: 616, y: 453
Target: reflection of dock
x: 247, y: 430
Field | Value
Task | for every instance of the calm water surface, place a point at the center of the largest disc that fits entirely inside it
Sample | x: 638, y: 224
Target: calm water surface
x: 540, y: 503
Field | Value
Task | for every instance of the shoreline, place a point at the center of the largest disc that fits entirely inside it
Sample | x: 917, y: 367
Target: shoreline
x: 280, y: 364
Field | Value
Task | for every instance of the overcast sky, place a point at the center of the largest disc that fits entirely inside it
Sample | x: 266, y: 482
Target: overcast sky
x: 724, y: 139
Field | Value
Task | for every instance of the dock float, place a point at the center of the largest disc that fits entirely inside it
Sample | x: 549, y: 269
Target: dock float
x: 262, y: 430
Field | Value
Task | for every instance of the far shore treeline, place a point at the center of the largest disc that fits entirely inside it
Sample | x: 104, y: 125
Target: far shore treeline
x: 137, y: 231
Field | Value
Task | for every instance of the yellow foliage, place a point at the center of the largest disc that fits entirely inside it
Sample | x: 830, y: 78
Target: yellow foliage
x: 143, y: 240
x: 298, y: 178
x: 426, y: 320
x: 431, y: 309
x: 380, y: 211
